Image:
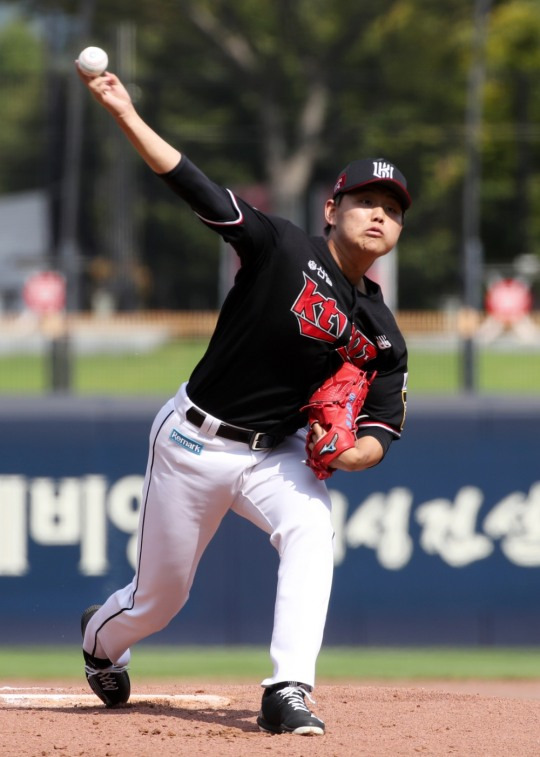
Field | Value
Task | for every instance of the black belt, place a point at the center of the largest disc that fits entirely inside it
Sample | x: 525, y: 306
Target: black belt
x: 256, y: 440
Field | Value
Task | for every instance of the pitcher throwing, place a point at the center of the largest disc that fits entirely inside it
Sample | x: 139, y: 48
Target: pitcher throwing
x: 234, y: 436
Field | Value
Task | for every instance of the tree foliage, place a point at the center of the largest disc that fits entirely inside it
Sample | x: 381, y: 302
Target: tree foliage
x: 21, y: 84
x: 284, y: 94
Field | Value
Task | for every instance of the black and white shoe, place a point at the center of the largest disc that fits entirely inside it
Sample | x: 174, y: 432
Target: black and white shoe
x: 108, y: 681
x: 284, y: 710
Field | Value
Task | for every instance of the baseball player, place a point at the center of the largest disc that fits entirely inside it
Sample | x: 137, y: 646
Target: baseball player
x: 235, y: 436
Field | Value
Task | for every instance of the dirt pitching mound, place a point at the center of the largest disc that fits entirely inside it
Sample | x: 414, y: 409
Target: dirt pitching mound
x: 472, y: 718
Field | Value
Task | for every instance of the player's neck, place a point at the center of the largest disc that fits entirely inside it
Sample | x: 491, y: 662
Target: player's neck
x: 361, y: 286
x: 353, y: 264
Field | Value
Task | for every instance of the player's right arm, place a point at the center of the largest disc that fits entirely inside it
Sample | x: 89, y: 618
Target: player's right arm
x: 109, y: 91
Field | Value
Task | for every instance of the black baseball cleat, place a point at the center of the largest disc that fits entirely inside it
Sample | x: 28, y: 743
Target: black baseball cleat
x: 108, y: 681
x: 283, y: 710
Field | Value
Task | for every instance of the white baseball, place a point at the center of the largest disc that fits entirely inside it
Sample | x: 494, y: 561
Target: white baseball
x: 93, y: 61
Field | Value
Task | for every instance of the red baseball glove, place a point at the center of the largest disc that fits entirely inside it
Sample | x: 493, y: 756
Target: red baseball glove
x: 336, y: 405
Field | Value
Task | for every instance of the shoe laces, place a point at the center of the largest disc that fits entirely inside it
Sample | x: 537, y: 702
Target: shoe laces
x: 107, y: 676
x: 294, y: 696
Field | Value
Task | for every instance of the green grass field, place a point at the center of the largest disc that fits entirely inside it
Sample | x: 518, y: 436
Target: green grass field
x: 160, y: 372
x: 252, y: 663
x: 440, y: 372
x: 150, y: 373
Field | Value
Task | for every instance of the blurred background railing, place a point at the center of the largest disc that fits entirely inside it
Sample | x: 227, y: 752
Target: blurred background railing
x: 152, y: 352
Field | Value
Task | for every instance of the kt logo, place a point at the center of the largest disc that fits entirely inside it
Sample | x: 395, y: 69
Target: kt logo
x: 359, y: 350
x: 318, y: 317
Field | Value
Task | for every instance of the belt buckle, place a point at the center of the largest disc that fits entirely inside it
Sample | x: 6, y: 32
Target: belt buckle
x: 256, y: 441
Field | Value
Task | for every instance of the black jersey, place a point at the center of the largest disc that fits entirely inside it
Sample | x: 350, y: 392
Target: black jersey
x: 287, y: 323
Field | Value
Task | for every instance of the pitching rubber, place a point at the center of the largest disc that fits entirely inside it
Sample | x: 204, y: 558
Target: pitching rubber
x: 36, y: 697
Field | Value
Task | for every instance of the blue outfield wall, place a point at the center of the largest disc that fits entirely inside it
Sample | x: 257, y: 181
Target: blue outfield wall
x: 440, y: 544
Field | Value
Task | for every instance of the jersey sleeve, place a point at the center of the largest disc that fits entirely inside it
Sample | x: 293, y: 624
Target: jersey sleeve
x: 213, y: 204
x: 383, y: 413
x: 249, y: 231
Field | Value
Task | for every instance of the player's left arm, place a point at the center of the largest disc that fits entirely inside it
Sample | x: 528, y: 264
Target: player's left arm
x: 367, y: 452
x: 380, y: 422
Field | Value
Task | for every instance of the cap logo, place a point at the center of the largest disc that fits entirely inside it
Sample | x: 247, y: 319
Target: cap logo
x: 339, y: 183
x: 382, y: 170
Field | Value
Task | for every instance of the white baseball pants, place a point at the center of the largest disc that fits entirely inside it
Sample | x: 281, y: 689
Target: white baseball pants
x: 192, y: 479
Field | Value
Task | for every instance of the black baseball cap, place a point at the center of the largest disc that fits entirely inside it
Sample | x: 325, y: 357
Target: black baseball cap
x: 360, y: 173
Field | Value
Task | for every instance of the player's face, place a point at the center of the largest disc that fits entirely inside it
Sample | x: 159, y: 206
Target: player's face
x: 369, y: 219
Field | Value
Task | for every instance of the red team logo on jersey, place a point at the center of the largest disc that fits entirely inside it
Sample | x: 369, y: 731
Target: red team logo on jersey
x: 359, y: 350
x: 318, y: 317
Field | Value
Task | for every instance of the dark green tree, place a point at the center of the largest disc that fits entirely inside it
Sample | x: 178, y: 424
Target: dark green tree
x: 283, y: 94
x: 22, y: 137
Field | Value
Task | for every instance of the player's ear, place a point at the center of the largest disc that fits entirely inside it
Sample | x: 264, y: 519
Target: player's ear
x: 330, y: 211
